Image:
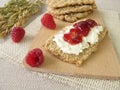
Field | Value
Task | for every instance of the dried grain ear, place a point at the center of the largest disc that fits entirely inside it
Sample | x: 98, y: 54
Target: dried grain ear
x: 16, y: 13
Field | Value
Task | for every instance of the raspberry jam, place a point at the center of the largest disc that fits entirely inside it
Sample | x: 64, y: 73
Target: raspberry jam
x: 73, y: 37
x: 80, y: 30
x: 91, y: 22
x: 83, y: 26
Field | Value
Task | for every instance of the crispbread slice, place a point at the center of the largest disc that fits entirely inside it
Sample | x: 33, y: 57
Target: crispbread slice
x: 71, y: 9
x: 72, y: 17
x: 63, y: 3
x: 52, y: 47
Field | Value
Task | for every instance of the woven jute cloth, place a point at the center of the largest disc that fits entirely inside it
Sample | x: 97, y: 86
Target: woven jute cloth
x: 13, y: 75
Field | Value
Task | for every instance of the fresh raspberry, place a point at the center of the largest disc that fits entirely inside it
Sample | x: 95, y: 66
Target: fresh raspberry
x: 35, y: 57
x: 17, y: 34
x: 48, y: 21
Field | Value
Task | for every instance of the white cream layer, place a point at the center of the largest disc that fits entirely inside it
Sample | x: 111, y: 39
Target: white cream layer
x: 92, y: 38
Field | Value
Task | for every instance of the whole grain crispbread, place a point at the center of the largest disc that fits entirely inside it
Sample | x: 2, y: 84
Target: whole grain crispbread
x: 64, y: 3
x: 71, y: 9
x: 52, y: 47
x: 72, y: 17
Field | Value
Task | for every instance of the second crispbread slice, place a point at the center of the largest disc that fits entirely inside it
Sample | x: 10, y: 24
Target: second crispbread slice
x: 72, y: 17
x: 63, y: 3
x: 71, y: 9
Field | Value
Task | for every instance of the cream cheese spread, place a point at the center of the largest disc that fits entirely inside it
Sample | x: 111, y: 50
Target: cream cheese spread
x: 91, y: 38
